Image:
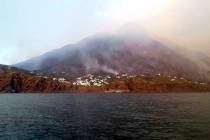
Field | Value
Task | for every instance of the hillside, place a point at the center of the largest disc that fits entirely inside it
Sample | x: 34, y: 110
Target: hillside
x: 131, y: 53
x: 13, y: 80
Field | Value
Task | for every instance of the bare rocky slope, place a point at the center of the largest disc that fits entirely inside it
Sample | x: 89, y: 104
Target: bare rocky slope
x: 13, y: 80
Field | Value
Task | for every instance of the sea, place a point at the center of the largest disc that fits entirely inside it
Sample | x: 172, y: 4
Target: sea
x: 105, y: 116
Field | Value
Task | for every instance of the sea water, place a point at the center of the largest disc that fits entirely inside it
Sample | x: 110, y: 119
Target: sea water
x: 105, y: 116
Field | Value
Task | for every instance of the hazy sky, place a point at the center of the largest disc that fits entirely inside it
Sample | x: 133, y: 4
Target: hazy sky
x: 31, y: 27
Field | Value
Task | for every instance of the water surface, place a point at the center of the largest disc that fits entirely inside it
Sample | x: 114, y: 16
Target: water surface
x: 104, y: 116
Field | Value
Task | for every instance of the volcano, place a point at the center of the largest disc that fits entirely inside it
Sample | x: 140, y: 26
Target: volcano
x: 127, y: 52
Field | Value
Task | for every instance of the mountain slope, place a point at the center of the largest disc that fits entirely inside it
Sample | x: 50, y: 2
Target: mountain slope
x: 130, y: 53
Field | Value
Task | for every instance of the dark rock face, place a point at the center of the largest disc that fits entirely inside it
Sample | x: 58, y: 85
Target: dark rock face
x: 16, y: 83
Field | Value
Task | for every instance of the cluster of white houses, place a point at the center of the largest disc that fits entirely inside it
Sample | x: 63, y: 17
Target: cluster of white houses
x: 91, y: 80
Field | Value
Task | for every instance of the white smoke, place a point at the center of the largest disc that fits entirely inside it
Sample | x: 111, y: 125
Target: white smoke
x: 109, y: 70
x: 93, y: 65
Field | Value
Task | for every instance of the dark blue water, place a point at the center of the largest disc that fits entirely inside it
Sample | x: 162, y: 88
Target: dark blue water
x: 104, y: 116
